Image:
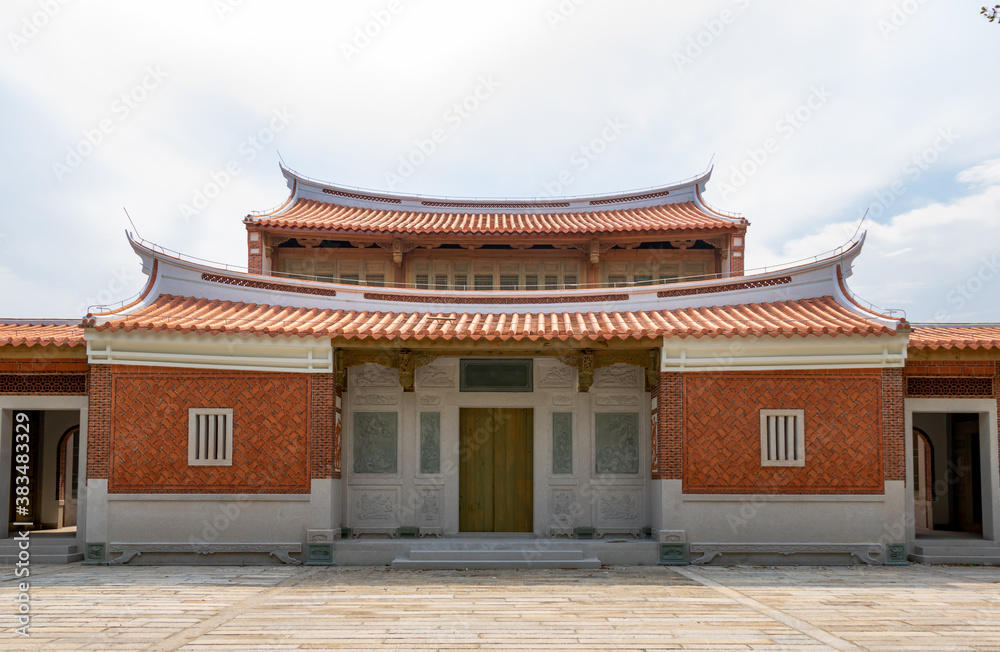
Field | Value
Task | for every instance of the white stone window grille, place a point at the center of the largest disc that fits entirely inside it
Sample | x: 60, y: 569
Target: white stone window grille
x: 782, y: 438
x: 210, y: 437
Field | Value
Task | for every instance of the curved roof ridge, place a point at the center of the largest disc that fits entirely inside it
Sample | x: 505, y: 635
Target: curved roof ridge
x: 303, y: 187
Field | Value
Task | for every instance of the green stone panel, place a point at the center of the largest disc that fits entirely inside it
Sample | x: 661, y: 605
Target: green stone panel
x: 496, y: 376
x: 562, y: 443
x: 430, y: 443
x: 617, y: 449
x: 375, y: 436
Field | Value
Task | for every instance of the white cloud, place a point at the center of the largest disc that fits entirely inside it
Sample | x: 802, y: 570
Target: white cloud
x: 560, y: 82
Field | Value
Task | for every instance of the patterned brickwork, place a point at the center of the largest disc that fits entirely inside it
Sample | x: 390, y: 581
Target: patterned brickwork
x: 729, y: 287
x: 737, y: 263
x: 843, y: 432
x: 948, y: 387
x: 669, y: 433
x: 149, y: 426
x: 266, y: 285
x: 952, y: 368
x: 255, y: 252
x: 338, y: 416
x: 43, y: 366
x: 43, y: 384
x: 322, y: 426
x: 99, y: 423
x: 893, y: 425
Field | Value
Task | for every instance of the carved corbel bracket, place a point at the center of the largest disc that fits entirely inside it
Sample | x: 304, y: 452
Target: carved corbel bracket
x: 595, y: 248
x: 398, y: 248
x: 683, y: 244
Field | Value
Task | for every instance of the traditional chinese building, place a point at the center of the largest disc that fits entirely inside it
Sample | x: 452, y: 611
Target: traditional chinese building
x: 432, y: 382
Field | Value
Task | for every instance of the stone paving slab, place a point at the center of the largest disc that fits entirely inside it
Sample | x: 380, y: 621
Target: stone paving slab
x: 207, y: 609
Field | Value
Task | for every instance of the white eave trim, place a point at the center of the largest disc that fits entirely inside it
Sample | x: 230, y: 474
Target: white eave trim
x: 805, y: 353
x: 222, y: 352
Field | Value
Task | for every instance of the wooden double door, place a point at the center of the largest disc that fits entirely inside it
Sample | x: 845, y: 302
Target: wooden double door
x: 496, y: 488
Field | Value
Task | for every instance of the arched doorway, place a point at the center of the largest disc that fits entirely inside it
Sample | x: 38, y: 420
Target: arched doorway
x: 67, y: 476
x: 923, y: 480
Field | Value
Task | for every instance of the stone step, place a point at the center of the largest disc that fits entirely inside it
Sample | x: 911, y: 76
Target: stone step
x: 504, y: 555
x: 591, y: 563
x: 39, y: 548
x: 979, y: 560
x: 957, y: 551
x: 45, y: 558
x: 956, y: 543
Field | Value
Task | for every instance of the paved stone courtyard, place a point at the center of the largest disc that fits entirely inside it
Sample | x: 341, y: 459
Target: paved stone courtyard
x: 617, y: 608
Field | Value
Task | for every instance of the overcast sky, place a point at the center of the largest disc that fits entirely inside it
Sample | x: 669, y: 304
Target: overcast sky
x: 813, y: 112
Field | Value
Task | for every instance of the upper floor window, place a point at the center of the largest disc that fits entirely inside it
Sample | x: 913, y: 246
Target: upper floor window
x: 495, y: 275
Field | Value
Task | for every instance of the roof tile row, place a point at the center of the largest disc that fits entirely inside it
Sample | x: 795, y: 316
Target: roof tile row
x: 823, y: 316
x: 40, y: 335
x: 311, y: 214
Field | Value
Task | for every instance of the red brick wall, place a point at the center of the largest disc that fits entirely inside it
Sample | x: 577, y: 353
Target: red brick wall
x: 737, y: 255
x: 43, y: 377
x: 843, y: 431
x: 893, y: 424
x: 255, y: 252
x: 668, y: 435
x: 99, y: 423
x: 323, y: 435
x: 276, y: 433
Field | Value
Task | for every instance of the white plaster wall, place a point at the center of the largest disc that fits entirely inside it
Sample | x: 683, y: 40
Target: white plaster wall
x: 784, y: 519
x: 207, y: 518
x: 437, y: 390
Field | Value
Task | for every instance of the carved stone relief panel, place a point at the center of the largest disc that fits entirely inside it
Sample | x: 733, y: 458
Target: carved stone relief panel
x: 374, y: 375
x: 561, y: 400
x: 619, y: 507
x: 435, y: 377
x: 619, y: 375
x: 374, y: 507
x: 430, y: 443
x: 562, y: 443
x: 375, y: 442
x: 558, y: 375
x: 428, y: 399
x: 430, y: 506
x: 617, y: 443
x: 612, y: 400
x: 564, y: 505
x: 376, y: 399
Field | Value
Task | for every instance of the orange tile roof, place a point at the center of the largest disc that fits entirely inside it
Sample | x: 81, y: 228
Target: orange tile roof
x: 823, y: 316
x: 956, y: 337
x: 40, y: 334
x: 311, y: 214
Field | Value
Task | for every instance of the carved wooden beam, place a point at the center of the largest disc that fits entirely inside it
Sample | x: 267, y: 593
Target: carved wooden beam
x: 586, y: 370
